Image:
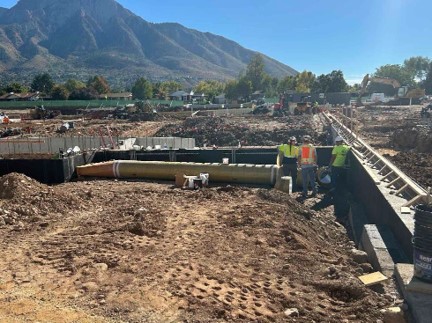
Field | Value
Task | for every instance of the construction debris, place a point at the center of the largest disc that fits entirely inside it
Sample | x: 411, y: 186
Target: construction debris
x: 249, y: 132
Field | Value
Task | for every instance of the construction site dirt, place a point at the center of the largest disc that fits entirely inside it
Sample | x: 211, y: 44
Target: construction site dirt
x: 401, y: 135
x: 134, y: 251
x: 247, y: 131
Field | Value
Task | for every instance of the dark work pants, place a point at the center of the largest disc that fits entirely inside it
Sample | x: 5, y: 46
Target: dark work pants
x: 338, y: 178
x: 291, y: 170
x: 340, y: 200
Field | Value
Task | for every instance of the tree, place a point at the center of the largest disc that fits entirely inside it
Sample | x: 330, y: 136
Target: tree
x: 417, y: 66
x: 355, y: 88
x: 42, y: 83
x: 275, y: 83
x: 332, y: 82
x: 238, y: 89
x: 396, y: 72
x: 84, y: 94
x: 427, y: 84
x: 142, y: 89
x: 337, y: 82
x: 255, y: 72
x: 162, y: 90
x: 169, y: 87
x: 269, y: 86
x: 304, y: 81
x: 286, y: 84
x: 231, y: 92
x: 244, y: 88
x: 209, y: 88
x: 99, y: 84
x: 321, y: 84
x: 15, y: 87
x: 72, y: 85
x: 60, y: 92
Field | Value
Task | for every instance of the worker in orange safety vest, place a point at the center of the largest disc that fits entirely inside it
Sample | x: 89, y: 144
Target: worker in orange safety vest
x: 307, y: 161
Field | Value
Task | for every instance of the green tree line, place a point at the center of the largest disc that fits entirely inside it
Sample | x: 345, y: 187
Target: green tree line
x: 415, y: 72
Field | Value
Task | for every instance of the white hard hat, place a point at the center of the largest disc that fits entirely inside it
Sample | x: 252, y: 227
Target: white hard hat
x: 338, y: 138
x: 293, y: 138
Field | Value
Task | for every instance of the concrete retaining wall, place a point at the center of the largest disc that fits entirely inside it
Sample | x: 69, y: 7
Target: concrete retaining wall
x: 377, y: 207
x: 43, y: 145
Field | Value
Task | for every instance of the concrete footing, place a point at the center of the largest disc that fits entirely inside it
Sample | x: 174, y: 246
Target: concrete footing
x: 377, y: 241
x: 284, y: 184
x: 378, y: 251
x: 417, y: 294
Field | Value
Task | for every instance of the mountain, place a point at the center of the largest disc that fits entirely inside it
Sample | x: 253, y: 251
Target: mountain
x: 80, y: 38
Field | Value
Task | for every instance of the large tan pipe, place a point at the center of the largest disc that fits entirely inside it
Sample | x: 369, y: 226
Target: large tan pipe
x: 231, y: 173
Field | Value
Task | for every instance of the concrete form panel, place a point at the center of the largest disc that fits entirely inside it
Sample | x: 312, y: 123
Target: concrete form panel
x: 377, y: 207
x: 39, y: 145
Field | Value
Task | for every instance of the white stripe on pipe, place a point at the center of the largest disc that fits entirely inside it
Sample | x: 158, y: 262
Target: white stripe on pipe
x: 116, y: 169
x: 272, y: 176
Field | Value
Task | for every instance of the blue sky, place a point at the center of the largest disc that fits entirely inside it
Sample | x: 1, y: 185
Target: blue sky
x: 355, y: 36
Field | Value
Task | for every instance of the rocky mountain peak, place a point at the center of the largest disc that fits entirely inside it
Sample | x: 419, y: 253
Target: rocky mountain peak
x: 80, y: 38
x: 55, y: 12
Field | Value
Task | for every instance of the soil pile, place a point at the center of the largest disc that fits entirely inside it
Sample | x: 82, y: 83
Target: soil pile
x: 378, y: 124
x: 23, y: 199
x: 417, y: 165
x: 19, y: 186
x: 229, y: 132
x: 396, y: 130
x: 416, y: 138
x: 145, y: 252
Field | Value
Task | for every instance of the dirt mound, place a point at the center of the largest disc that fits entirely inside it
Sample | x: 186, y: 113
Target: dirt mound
x: 16, y: 185
x: 417, y: 165
x: 229, y: 132
x: 416, y: 138
x: 23, y: 199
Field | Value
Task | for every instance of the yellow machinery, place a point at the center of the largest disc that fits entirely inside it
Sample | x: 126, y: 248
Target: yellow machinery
x: 381, y: 80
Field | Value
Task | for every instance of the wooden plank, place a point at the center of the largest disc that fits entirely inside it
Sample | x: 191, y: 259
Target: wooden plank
x: 373, y: 279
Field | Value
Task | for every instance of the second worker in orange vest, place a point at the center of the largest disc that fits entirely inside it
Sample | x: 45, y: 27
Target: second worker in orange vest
x: 308, y: 162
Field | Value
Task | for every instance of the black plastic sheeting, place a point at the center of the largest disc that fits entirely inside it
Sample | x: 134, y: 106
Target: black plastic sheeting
x: 48, y: 171
x: 238, y: 156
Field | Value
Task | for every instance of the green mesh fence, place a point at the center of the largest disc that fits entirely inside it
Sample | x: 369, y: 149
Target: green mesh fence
x: 77, y: 104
